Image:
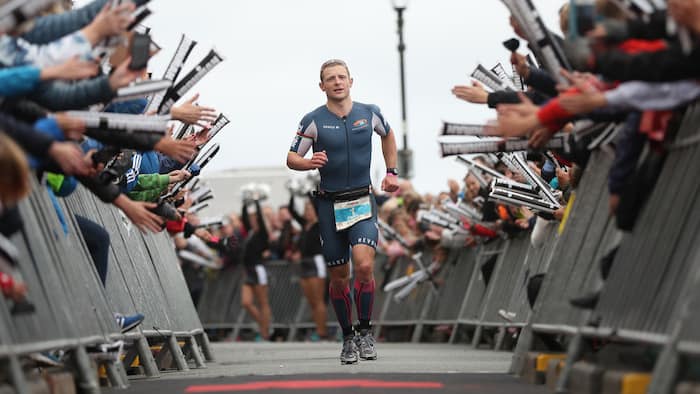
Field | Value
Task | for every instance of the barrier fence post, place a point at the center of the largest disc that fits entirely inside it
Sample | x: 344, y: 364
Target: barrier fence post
x: 463, y: 306
x: 418, y: 330
x: 87, y: 380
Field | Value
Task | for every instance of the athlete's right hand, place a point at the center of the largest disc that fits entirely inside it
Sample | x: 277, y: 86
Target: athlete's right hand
x: 318, y: 160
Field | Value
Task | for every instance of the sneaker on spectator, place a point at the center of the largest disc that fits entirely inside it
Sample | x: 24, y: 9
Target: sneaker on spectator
x: 128, y: 323
x: 506, y: 315
x: 22, y: 307
x: 586, y: 301
x: 314, y: 337
x: 45, y: 359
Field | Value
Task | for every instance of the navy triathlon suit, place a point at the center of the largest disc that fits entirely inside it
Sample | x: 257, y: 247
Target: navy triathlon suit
x: 348, y: 145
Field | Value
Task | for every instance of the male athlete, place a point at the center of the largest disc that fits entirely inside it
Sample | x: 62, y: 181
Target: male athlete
x: 340, y: 133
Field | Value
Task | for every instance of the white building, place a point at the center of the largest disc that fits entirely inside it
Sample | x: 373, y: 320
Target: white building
x: 226, y: 186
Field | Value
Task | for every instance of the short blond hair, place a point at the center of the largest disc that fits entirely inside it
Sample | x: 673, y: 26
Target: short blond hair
x: 332, y: 63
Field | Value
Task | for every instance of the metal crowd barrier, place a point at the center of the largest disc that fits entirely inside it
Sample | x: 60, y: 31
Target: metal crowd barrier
x: 458, y: 298
x: 573, y: 263
x: 145, y: 277
x: 75, y: 314
x: 650, y: 297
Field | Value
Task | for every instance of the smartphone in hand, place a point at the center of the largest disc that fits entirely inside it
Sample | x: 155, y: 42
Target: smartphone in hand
x: 140, y: 51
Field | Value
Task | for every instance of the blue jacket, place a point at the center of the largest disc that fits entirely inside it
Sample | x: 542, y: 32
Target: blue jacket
x: 17, y: 81
x: 57, y: 95
x: 61, y: 96
x: 51, y: 27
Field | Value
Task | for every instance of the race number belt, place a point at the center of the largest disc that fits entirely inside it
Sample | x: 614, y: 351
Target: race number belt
x: 350, y: 207
x: 347, y: 213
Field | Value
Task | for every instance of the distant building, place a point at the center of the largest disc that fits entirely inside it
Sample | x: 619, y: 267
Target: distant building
x: 226, y: 186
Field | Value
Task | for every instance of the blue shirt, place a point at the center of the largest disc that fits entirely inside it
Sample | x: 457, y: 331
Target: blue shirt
x: 16, y: 81
x: 347, y: 142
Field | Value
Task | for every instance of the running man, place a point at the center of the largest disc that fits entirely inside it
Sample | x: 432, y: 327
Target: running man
x: 340, y: 133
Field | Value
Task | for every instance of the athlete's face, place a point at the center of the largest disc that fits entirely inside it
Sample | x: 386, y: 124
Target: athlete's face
x: 336, y: 83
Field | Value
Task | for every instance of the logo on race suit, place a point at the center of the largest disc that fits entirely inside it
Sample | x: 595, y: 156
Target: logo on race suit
x: 367, y: 241
x: 359, y: 124
x: 327, y: 126
x: 296, y: 143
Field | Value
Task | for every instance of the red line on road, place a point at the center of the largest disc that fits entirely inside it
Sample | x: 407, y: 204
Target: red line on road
x: 312, y: 384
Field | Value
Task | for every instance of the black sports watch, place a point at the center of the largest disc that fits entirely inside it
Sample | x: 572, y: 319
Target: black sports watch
x: 392, y: 171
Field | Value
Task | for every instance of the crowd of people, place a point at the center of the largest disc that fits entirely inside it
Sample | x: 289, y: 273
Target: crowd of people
x: 74, y: 87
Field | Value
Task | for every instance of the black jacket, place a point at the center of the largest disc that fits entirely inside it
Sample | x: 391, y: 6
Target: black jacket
x: 256, y: 242
x: 309, y: 242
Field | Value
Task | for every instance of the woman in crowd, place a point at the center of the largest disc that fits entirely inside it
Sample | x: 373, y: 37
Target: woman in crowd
x: 312, y: 264
x: 255, y: 288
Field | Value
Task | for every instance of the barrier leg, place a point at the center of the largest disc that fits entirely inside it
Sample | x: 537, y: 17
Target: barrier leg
x: 146, y: 358
x: 666, y: 367
x: 418, y: 330
x: 237, y: 326
x: 573, y: 354
x: 176, y: 352
x: 114, y: 375
x: 294, y: 327
x: 521, y: 348
x: 122, y: 372
x: 193, y: 348
x: 500, y: 338
x: 378, y: 330
x: 453, y: 334
x: 14, y: 368
x: 204, y: 343
x: 476, y: 340
x: 87, y: 379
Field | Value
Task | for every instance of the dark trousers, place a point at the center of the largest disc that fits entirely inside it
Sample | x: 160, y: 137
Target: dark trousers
x: 97, y: 239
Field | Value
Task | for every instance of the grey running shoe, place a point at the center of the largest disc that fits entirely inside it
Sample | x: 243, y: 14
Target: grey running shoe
x: 349, y: 353
x: 366, y: 345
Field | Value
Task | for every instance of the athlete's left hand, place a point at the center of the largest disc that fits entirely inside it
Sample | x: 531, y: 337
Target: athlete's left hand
x: 390, y: 183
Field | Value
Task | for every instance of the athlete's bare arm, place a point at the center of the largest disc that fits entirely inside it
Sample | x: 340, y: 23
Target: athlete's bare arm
x: 297, y: 162
x: 390, y: 183
x: 389, y: 149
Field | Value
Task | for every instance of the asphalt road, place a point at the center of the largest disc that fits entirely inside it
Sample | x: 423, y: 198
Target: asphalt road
x: 315, y: 368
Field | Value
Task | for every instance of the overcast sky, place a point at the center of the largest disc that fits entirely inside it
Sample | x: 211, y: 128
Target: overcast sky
x: 274, y: 48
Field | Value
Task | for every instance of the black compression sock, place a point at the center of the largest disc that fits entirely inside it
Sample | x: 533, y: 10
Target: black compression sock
x: 348, y: 332
x: 364, y: 325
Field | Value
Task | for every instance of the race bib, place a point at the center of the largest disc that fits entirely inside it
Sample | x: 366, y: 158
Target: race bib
x: 347, y: 213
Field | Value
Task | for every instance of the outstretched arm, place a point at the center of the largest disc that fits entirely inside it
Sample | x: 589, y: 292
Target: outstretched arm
x: 294, y: 213
x: 244, y: 216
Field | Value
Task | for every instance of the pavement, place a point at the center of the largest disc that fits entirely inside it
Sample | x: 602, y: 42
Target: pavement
x: 273, y: 368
